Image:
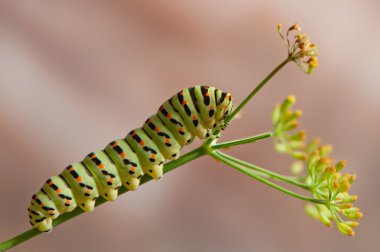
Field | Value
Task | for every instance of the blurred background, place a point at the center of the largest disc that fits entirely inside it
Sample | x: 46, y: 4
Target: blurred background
x: 75, y: 75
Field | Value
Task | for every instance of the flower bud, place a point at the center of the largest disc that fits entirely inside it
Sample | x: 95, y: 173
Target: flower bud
x: 345, y: 229
x: 287, y: 103
x: 290, y: 125
x: 299, y: 136
x: 352, y: 223
x: 276, y: 114
x: 298, y: 155
x: 312, y: 211
x: 340, y: 165
x: 297, y: 167
x: 313, y: 145
x: 325, y: 150
x: 325, y: 220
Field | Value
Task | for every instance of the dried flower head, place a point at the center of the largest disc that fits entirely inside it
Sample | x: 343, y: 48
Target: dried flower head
x: 300, y: 49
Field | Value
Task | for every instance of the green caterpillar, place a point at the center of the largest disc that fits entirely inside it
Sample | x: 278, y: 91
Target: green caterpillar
x: 195, y: 111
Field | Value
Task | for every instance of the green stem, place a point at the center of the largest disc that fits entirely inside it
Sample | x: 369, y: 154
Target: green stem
x: 249, y: 172
x: 270, y: 174
x: 242, y: 141
x: 196, y: 153
x: 257, y: 89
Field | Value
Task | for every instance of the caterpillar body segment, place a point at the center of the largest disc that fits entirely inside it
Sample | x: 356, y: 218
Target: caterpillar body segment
x: 127, y: 163
x: 105, y: 173
x: 163, y: 137
x: 195, y: 111
x: 151, y: 159
x: 82, y: 184
x: 60, y: 193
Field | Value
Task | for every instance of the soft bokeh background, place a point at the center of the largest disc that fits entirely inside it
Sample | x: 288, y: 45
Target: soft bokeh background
x: 74, y: 75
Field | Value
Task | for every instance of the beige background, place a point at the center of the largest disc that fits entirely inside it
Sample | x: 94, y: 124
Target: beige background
x: 74, y: 76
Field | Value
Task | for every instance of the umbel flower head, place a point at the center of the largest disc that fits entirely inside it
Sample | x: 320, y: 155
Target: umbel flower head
x: 323, y: 178
x: 300, y: 49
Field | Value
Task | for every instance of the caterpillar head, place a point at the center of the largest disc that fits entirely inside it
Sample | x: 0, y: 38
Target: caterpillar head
x: 224, y: 108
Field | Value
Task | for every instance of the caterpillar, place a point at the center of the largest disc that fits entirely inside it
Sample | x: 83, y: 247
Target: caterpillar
x: 193, y: 112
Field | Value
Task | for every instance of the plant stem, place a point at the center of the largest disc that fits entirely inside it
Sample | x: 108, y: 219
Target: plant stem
x: 242, y: 141
x: 249, y: 172
x: 257, y: 89
x: 196, y: 153
x: 270, y: 174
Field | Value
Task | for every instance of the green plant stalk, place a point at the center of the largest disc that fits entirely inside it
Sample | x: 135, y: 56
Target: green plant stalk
x: 270, y: 174
x: 241, y: 141
x: 247, y: 171
x: 257, y: 89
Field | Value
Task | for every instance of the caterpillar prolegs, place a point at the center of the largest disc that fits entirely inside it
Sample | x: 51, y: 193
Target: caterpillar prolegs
x: 195, y: 111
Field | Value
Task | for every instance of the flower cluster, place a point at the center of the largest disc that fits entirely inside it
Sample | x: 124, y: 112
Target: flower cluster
x: 285, y: 121
x: 300, y: 49
x: 323, y: 178
x: 326, y: 182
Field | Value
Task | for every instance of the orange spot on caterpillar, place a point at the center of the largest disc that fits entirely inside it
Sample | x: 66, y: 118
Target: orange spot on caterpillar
x: 51, y: 211
x: 79, y: 179
x: 110, y: 180
x: 149, y: 120
x: 211, y: 107
x: 101, y: 166
x: 123, y: 154
x: 181, y: 129
x: 115, y: 144
x: 194, y: 117
x: 224, y: 106
x: 133, y: 133
x: 207, y: 94
x: 169, y: 116
x: 184, y: 102
x: 156, y: 129
x: 133, y: 168
x: 88, y: 191
x: 50, y: 182
x: 181, y: 93
x: 153, y: 156
x: 167, y: 140
x: 58, y: 190
x: 67, y: 201
x: 93, y: 156
x: 71, y: 169
x: 142, y: 143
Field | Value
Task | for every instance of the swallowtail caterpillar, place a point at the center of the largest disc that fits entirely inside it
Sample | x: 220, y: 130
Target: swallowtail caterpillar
x: 196, y: 111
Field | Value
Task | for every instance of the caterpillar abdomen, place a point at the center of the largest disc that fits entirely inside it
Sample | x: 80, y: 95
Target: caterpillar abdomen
x: 195, y: 111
